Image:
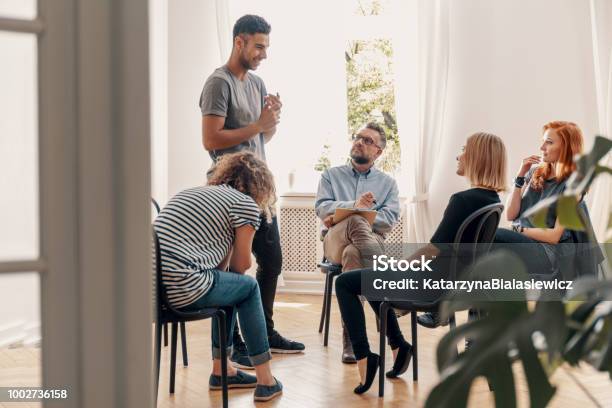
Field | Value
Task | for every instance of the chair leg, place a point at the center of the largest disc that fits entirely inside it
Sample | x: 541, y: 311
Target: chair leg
x: 323, y: 306
x: 452, y: 324
x: 165, y: 334
x: 415, y: 354
x: 384, y: 309
x: 184, y: 344
x: 330, y: 285
x: 221, y: 319
x: 158, y: 338
x: 173, y: 339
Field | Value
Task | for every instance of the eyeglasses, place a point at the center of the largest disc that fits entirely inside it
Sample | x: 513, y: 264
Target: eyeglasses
x: 366, y: 140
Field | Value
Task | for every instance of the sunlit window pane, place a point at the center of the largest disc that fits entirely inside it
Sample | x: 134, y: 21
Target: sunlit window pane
x: 18, y: 147
x: 25, y: 9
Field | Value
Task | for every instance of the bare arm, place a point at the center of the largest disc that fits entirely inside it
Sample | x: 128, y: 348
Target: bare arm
x: 547, y: 235
x: 240, y: 260
x: 272, y: 102
x: 268, y: 135
x: 214, y: 137
x: 513, y: 203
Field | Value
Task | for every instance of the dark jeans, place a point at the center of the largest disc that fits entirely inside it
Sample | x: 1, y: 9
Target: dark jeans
x: 530, y: 251
x: 267, y: 251
x: 348, y: 289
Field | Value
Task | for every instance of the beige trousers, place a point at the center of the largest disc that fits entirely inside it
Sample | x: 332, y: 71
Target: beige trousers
x: 352, y: 243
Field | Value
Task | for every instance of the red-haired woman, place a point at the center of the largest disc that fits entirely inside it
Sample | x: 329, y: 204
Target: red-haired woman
x: 539, y: 177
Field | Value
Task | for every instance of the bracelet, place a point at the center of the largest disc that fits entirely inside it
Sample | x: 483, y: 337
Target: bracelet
x: 519, y: 182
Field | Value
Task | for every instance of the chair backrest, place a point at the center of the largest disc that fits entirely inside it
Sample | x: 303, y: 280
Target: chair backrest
x: 158, y: 291
x: 485, y: 222
x: 156, y: 205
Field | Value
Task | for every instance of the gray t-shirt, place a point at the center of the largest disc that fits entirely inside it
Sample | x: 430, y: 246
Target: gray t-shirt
x: 240, y: 102
x: 532, y: 197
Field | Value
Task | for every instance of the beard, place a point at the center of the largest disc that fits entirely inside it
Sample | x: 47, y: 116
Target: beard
x: 359, y: 158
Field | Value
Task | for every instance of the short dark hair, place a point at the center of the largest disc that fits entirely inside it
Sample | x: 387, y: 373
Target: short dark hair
x: 378, y: 128
x: 251, y: 24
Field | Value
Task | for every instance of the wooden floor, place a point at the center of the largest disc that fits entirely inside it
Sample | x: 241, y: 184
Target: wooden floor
x: 317, y: 378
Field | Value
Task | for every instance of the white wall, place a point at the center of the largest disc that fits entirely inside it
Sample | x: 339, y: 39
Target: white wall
x: 514, y: 65
x: 193, y: 54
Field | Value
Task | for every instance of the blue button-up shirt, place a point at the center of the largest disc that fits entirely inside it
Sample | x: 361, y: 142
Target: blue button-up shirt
x: 341, y: 186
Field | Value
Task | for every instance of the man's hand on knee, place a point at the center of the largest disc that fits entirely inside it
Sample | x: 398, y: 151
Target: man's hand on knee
x: 328, y: 221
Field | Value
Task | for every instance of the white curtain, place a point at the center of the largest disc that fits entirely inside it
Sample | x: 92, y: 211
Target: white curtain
x: 601, y: 20
x: 224, y: 29
x: 422, y: 73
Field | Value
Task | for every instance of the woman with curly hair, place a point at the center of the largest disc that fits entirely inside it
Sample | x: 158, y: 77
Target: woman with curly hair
x: 540, y: 177
x: 204, y: 230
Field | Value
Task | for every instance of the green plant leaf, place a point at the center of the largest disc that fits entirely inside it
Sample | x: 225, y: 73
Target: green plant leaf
x: 601, y: 147
x: 567, y: 213
x: 538, y: 212
x: 540, y: 390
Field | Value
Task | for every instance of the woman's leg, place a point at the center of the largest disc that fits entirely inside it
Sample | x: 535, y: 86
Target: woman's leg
x: 530, y: 251
x: 242, y: 292
x: 348, y: 289
x: 394, y: 333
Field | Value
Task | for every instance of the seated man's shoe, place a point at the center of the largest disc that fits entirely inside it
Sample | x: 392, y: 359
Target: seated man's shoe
x: 240, y: 357
x: 431, y: 320
x: 240, y: 380
x: 348, y: 356
x: 279, y: 344
x: 267, y: 392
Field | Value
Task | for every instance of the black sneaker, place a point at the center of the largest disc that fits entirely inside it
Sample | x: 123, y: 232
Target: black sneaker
x: 431, y: 320
x: 240, y: 357
x: 279, y: 344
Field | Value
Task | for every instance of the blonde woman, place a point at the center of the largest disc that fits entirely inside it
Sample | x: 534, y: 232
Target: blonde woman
x: 483, y: 162
x: 203, y: 231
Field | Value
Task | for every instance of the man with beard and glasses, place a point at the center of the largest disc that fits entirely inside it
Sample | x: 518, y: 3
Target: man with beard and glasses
x: 239, y: 115
x: 357, y: 185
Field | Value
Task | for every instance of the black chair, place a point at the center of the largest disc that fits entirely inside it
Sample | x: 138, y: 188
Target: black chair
x: 167, y: 314
x: 331, y: 270
x: 486, y: 220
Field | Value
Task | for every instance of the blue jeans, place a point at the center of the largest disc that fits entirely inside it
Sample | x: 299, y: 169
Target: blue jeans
x: 242, y: 292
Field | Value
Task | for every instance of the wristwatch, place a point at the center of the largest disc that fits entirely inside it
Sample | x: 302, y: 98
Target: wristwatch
x: 518, y: 228
x: 519, y: 182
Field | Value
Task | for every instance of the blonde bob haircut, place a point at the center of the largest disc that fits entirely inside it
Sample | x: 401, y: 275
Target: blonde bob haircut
x: 485, y: 161
x: 249, y: 175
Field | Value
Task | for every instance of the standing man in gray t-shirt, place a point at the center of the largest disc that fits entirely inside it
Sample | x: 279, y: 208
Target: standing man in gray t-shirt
x: 238, y: 114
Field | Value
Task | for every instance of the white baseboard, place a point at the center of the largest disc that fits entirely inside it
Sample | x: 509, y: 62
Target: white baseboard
x: 19, y: 334
x: 306, y: 283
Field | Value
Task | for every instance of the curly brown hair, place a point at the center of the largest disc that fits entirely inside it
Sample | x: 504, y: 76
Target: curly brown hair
x: 249, y: 175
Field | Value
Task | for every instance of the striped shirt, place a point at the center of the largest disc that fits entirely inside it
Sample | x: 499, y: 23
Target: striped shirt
x: 196, y: 231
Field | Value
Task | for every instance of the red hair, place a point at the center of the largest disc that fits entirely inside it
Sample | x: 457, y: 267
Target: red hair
x: 571, y: 145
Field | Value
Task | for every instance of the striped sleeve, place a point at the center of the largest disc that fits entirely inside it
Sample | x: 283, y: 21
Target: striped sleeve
x: 244, y: 212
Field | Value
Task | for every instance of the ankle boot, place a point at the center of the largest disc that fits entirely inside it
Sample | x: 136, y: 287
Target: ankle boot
x: 348, y: 357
